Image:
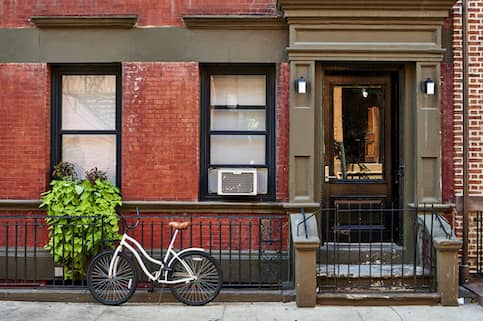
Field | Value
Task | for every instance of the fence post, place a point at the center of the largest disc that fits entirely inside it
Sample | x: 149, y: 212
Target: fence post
x: 306, y: 242
x: 447, y: 268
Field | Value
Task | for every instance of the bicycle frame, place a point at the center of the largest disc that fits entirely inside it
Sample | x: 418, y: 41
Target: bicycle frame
x: 170, y: 255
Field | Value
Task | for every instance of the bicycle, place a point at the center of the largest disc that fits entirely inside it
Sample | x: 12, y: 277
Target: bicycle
x: 194, y: 276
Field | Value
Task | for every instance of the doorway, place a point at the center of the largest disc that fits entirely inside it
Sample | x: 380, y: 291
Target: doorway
x: 360, y: 157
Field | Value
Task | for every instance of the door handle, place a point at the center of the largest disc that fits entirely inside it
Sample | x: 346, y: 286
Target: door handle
x: 327, y: 175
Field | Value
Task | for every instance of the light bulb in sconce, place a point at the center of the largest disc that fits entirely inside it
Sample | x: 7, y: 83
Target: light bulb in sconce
x: 365, y: 94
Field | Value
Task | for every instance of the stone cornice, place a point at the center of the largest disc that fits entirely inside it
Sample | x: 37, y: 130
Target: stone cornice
x: 410, y: 5
x: 425, y: 10
x: 234, y: 22
x: 108, y: 21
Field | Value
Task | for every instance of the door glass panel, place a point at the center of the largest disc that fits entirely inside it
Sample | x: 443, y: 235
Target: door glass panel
x: 358, y: 133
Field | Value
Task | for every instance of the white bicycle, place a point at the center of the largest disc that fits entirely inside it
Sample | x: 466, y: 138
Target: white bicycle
x: 194, y: 276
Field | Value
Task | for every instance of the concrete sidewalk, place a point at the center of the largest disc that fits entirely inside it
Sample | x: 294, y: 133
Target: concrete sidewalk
x: 48, y: 311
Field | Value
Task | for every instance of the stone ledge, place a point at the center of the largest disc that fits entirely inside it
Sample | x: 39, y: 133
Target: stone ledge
x: 115, y: 21
x: 142, y: 295
x: 241, y: 22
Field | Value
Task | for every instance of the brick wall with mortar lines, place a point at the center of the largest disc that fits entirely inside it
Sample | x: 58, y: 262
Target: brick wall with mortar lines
x: 282, y: 124
x: 161, y: 117
x: 475, y: 99
x: 16, y: 13
x: 24, y: 130
x: 160, y: 136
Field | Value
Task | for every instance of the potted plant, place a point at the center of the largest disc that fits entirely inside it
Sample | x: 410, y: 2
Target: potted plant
x: 81, y: 215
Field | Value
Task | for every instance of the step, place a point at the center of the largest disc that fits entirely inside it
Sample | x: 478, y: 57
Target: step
x: 476, y: 286
x: 361, y: 253
x: 378, y: 299
x: 371, y: 270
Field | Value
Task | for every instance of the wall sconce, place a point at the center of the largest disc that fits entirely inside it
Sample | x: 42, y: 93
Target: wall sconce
x: 301, y: 85
x: 428, y: 87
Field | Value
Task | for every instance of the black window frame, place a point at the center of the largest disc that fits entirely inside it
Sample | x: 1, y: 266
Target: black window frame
x: 208, y: 70
x: 59, y: 70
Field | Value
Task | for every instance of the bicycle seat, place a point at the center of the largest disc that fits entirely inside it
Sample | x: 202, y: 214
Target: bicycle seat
x: 180, y: 226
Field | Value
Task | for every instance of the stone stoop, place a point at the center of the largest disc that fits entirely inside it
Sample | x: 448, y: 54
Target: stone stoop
x: 378, y: 299
x: 476, y: 288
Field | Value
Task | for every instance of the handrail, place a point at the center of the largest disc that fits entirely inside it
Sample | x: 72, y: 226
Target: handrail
x: 304, y: 221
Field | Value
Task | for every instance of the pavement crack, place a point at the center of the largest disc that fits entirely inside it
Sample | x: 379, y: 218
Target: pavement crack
x: 223, y: 313
x: 397, y: 313
x: 98, y: 317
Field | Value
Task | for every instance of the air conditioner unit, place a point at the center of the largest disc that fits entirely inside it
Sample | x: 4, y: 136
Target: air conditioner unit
x: 237, y: 181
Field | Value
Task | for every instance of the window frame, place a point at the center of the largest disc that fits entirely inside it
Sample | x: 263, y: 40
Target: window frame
x: 208, y: 70
x: 57, y: 72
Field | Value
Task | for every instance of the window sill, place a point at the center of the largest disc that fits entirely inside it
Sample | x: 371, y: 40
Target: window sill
x: 123, y: 21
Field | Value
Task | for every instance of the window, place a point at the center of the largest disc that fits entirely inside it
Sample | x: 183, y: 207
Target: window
x: 237, y: 132
x: 86, y: 116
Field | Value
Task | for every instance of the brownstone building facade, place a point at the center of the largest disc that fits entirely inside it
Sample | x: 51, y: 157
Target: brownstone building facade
x: 167, y: 96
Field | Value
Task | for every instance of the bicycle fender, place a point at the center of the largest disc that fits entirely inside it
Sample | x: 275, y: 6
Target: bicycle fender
x: 184, y: 251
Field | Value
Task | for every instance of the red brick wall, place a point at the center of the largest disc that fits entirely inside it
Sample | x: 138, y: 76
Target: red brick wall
x: 160, y: 137
x: 282, y: 121
x: 475, y: 103
x: 24, y: 130
x: 447, y: 139
x: 16, y: 13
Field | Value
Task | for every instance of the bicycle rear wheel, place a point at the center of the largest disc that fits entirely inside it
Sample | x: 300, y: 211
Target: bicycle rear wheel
x: 115, y: 290
x: 208, y: 281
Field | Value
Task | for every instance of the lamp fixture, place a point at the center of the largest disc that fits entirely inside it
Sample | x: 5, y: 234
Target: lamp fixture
x: 365, y: 93
x: 301, y: 85
x: 429, y: 87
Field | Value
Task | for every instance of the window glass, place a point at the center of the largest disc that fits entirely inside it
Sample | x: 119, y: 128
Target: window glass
x: 233, y: 90
x: 238, y: 149
x: 236, y: 119
x: 89, y: 102
x: 88, y: 151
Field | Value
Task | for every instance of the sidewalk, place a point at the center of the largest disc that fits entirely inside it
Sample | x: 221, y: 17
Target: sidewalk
x: 40, y: 311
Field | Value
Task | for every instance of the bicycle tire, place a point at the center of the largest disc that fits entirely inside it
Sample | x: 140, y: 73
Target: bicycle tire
x: 208, y: 283
x: 113, y: 291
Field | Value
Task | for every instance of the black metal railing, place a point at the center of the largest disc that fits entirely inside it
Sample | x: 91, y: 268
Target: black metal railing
x: 479, y: 243
x: 253, y: 250
x: 366, y: 246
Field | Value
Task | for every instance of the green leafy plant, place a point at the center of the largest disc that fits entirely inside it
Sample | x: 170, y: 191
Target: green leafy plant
x: 80, y: 215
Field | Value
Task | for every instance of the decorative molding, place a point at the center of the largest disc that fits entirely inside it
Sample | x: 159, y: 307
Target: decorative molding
x: 369, y: 5
x: 235, y: 22
x: 122, y: 21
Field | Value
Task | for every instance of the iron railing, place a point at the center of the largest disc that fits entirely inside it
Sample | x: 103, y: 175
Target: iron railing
x: 479, y: 243
x: 253, y: 250
x: 370, y: 247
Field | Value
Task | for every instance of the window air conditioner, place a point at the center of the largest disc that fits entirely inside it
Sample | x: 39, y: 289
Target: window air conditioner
x: 237, y: 181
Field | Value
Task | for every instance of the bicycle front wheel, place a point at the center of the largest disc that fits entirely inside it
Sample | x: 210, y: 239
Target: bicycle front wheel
x: 208, y: 280
x: 117, y: 289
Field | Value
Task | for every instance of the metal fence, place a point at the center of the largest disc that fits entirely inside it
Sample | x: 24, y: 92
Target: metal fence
x: 370, y: 247
x: 253, y: 250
